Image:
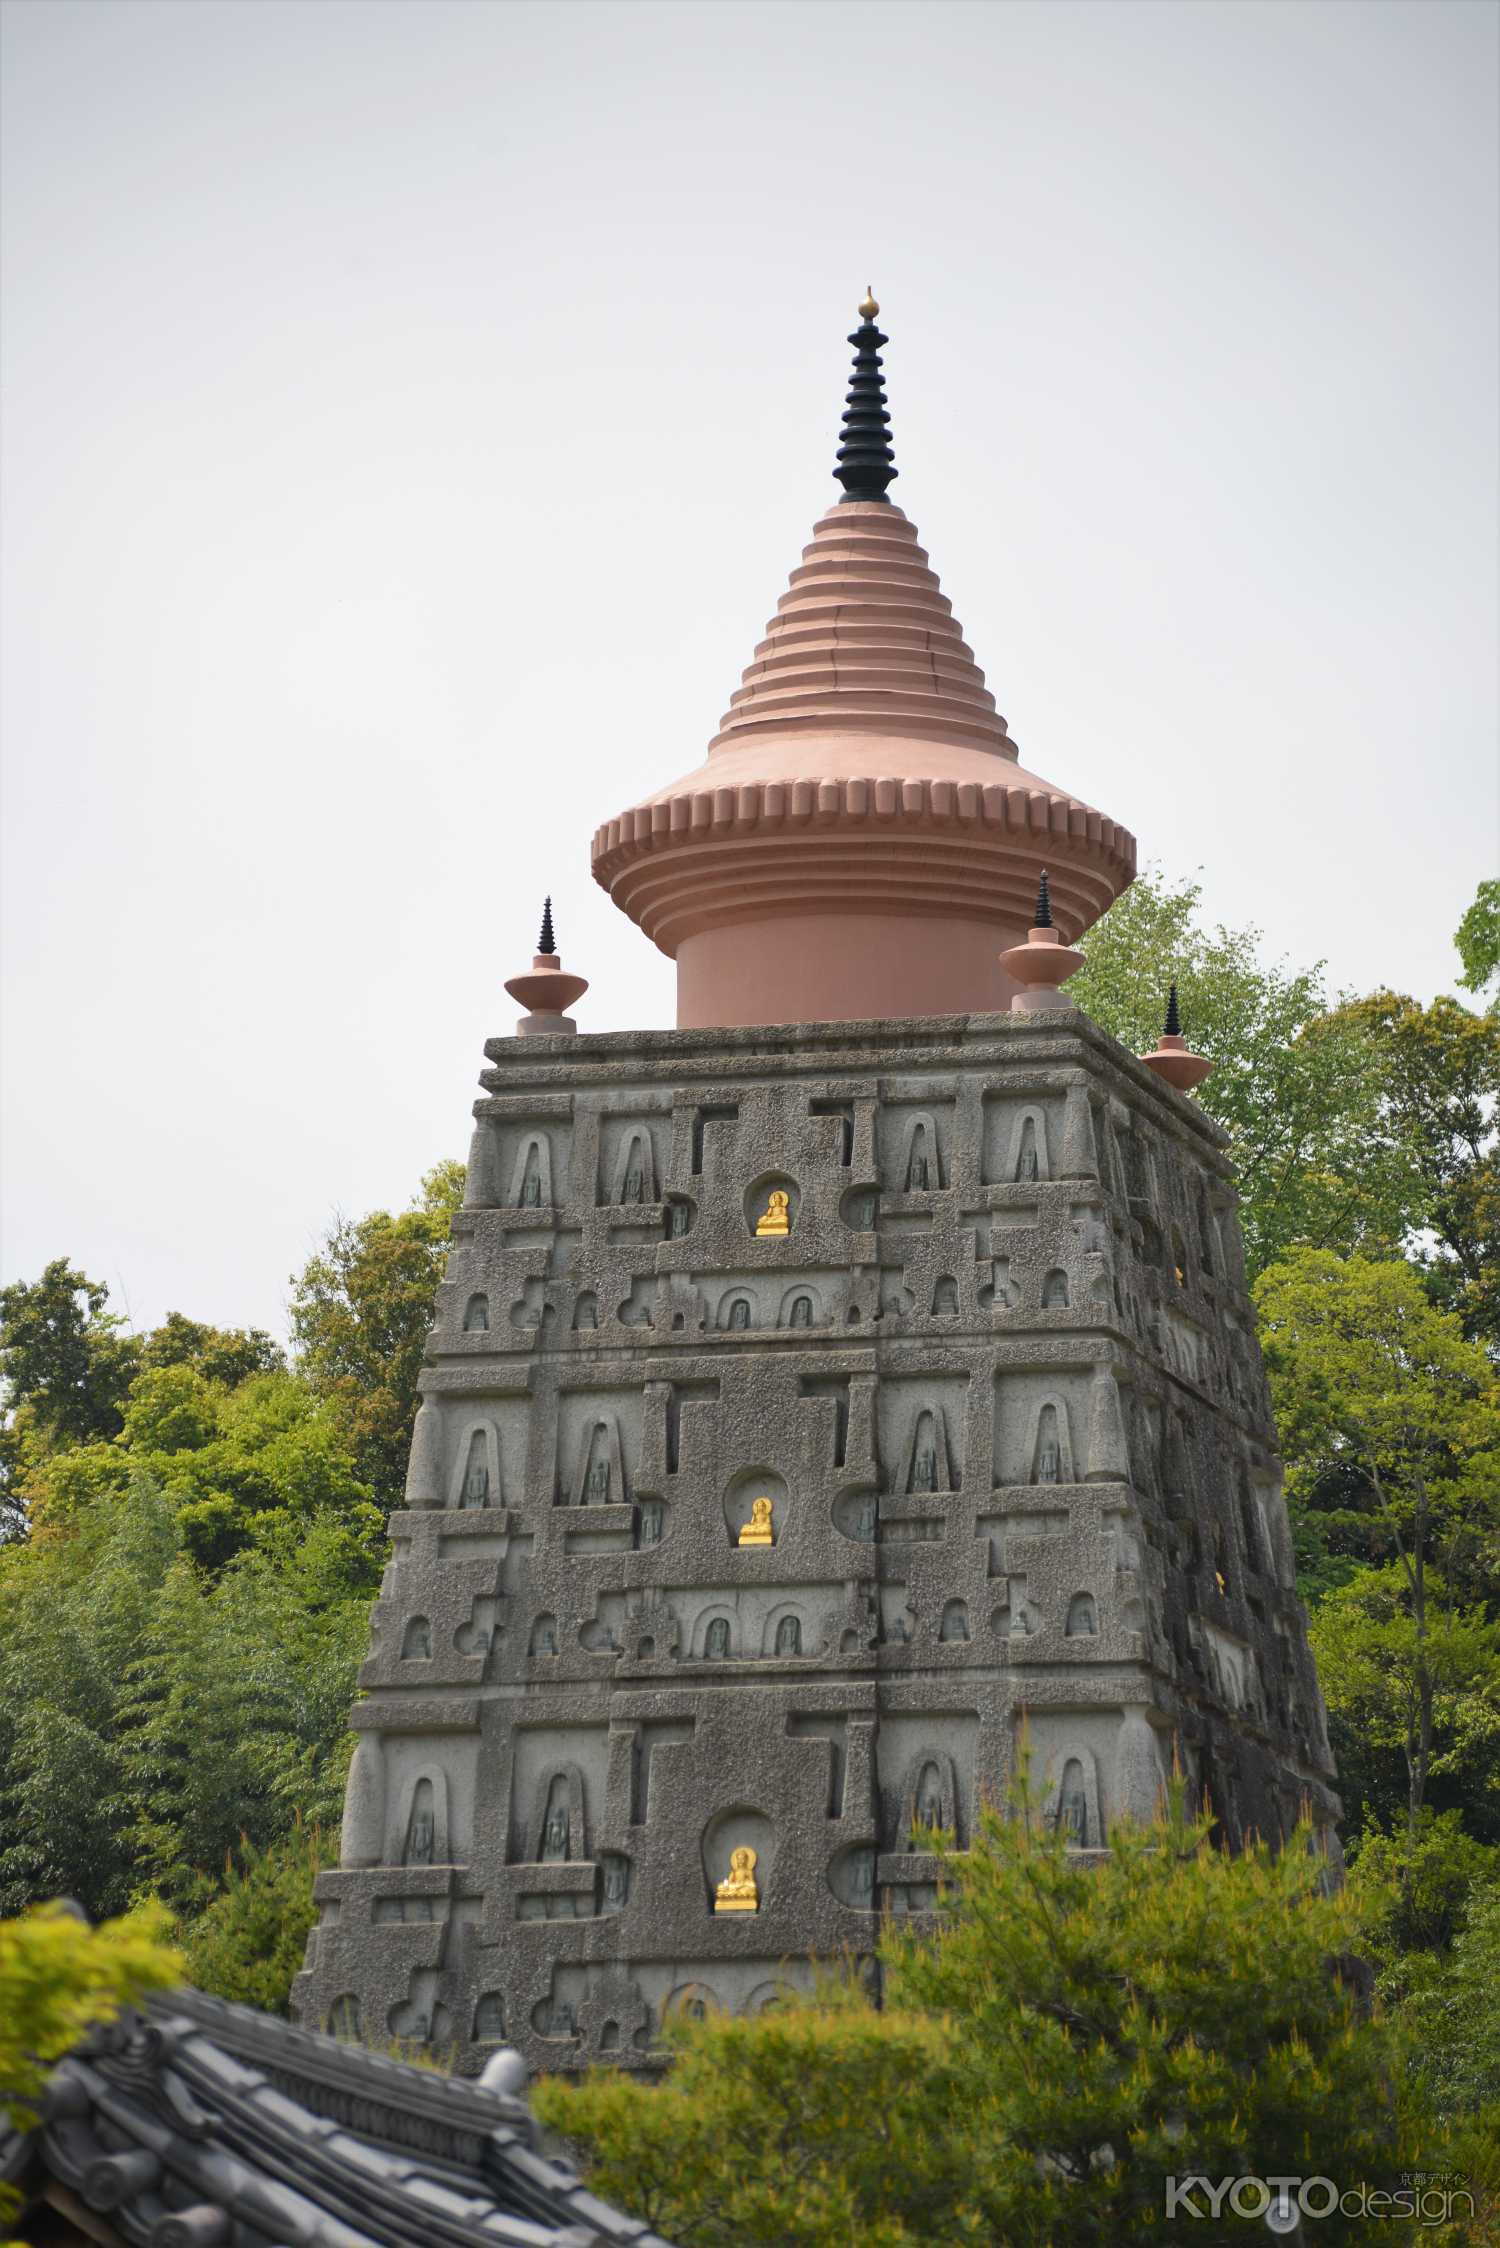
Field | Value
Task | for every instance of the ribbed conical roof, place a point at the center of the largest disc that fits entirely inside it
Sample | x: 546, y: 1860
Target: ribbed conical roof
x: 865, y: 640
x: 861, y: 839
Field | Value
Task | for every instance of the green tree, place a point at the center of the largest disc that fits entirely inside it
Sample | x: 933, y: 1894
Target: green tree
x: 247, y: 1940
x: 361, y: 1310
x: 1296, y: 1086
x: 227, y: 1355
x: 1072, y: 2037
x: 1438, y: 1125
x: 58, y: 1977
x: 65, y: 1366
x: 1382, y: 1401
x: 1448, y: 2009
x: 153, y: 1713
x: 1478, y: 939
x: 1411, y: 1712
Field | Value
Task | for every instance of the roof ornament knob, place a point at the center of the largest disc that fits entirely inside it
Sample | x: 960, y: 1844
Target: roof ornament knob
x: 546, y: 992
x: 1173, y: 1059
x: 1042, y: 963
x: 866, y: 463
x: 868, y: 308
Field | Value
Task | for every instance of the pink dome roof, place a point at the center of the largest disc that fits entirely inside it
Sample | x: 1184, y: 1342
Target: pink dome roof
x: 861, y: 776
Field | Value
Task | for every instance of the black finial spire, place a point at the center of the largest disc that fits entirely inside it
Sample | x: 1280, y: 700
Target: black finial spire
x: 866, y: 461
x: 1042, y: 919
x: 1172, y: 1027
x: 546, y: 942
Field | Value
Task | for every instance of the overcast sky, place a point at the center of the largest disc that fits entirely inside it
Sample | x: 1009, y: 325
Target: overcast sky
x: 412, y: 413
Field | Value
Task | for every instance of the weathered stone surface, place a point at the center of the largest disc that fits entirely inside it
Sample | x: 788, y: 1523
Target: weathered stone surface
x: 1001, y: 1386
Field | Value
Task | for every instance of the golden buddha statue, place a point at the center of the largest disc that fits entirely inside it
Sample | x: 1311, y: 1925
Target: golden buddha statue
x: 757, y: 1530
x: 775, y: 1220
x: 737, y: 1891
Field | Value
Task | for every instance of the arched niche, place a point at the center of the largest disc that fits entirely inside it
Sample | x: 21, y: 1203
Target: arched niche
x: 1055, y: 1290
x: 1208, y: 1232
x: 1029, y: 1158
x: 651, y: 1518
x: 634, y: 1181
x: 928, y: 1466
x: 858, y: 1208
x: 1083, y: 1617
x: 743, y: 1490
x: 489, y: 2018
x: 800, y: 1308
x: 475, y: 1480
x: 585, y: 1311
x: 931, y: 1783
x: 784, y: 1625
x: 1052, y: 1443
x: 738, y: 1829
x: 554, y: 2018
x: 614, y: 1882
x: 856, y: 1515
x: 682, y: 1216
x: 767, y: 1995
x: 1072, y: 1804
x: 599, y: 1464
x: 851, y: 1876
x: 477, y: 1314
x: 416, y: 1640
x: 921, y: 1169
x: 716, y: 1634
x: 556, y: 1833
x: 531, y: 1174
x: 757, y: 1202
x: 945, y: 1297
x: 691, y: 2002
x: 737, y: 1312
x: 421, y: 1832
x: 955, y: 1621
x: 543, y: 1640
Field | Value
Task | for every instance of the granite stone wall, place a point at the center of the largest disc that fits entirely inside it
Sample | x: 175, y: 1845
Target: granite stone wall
x: 1000, y: 1384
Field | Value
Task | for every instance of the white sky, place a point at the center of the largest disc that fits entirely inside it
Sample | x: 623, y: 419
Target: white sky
x: 412, y: 413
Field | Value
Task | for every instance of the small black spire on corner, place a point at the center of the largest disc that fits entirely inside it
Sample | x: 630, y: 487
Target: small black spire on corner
x: 1172, y: 1027
x: 1042, y: 919
x: 866, y: 461
x: 546, y: 942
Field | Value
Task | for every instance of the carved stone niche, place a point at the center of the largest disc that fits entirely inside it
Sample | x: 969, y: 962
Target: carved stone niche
x: 738, y: 1829
x: 929, y: 1797
x: 851, y: 1877
x: 614, y: 1882
x: 557, y: 1832
x: 758, y: 1202
x: 856, y: 1514
x: 744, y: 1489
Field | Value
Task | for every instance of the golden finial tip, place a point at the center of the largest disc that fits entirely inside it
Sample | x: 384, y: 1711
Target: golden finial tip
x: 868, y: 307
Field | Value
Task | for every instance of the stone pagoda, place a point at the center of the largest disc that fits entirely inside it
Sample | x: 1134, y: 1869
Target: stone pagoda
x: 828, y: 1399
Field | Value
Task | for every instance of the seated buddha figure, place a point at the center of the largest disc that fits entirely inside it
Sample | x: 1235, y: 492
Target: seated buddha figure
x: 737, y: 1891
x: 774, y: 1219
x: 757, y: 1531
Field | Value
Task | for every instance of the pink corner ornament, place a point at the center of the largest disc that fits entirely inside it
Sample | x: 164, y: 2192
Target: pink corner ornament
x: 1173, y: 1059
x: 546, y: 992
x: 1041, y: 964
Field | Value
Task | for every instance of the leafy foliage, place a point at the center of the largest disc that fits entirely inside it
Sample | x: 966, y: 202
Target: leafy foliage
x: 1391, y: 1421
x: 1295, y: 1085
x: 361, y: 1310
x: 248, y: 1939
x: 1074, y: 2036
x: 57, y: 1978
x: 1478, y: 939
x: 154, y: 1714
